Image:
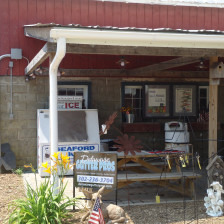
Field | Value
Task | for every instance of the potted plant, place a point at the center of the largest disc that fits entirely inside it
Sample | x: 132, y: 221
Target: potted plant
x: 129, y: 116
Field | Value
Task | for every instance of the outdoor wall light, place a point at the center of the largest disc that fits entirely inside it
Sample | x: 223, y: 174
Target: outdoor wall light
x: 201, y: 64
x: 39, y: 71
x: 61, y: 72
x: 32, y: 76
x: 122, y: 62
x: 27, y: 78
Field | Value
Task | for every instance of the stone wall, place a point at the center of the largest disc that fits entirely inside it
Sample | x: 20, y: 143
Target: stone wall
x: 106, y: 97
x: 21, y: 130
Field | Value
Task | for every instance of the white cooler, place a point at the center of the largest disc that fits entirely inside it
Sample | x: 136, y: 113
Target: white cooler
x: 176, y: 136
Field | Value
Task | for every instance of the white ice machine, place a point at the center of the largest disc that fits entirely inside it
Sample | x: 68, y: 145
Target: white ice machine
x: 78, y: 130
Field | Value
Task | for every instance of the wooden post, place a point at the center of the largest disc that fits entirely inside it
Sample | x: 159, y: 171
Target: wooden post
x: 213, y: 109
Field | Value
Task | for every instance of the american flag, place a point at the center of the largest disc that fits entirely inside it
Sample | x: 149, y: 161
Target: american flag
x: 96, y: 216
x: 203, y: 117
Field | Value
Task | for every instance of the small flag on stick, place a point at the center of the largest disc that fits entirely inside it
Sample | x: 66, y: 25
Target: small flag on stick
x: 96, y: 216
x: 182, y: 161
x: 157, y: 198
x: 168, y: 161
x: 186, y: 159
x: 198, y: 159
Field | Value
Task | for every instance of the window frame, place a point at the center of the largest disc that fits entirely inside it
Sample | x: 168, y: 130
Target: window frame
x: 132, y: 84
x: 171, y: 86
x: 194, y: 88
x: 203, y: 86
x: 167, y: 96
x: 76, y: 85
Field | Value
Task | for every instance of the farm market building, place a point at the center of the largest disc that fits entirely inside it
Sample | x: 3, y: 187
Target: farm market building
x: 162, y: 45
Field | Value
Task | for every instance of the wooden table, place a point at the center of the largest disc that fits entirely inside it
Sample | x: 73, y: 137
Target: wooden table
x: 158, y: 174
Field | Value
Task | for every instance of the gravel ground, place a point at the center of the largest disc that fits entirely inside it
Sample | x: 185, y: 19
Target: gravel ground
x: 11, y: 187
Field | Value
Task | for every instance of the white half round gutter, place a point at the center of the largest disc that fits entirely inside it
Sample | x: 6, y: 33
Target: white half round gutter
x: 139, y: 38
x: 60, y: 53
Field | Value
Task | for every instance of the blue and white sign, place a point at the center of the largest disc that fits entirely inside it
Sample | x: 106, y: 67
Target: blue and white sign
x: 69, y: 149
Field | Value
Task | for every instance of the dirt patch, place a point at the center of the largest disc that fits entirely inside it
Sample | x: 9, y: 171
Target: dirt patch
x: 172, y: 213
x: 11, y: 187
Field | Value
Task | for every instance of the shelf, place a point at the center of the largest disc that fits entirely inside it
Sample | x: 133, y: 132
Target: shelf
x: 141, y: 127
x: 159, y: 127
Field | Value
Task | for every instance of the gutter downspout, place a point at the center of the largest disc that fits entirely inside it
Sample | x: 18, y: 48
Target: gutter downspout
x: 60, y: 53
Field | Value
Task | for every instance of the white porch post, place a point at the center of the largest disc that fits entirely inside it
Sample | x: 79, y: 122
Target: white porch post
x: 60, y: 53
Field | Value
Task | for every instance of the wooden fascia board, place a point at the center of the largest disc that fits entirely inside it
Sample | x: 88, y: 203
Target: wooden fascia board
x: 40, y: 57
x: 42, y: 33
x: 129, y: 50
x: 177, y: 62
x: 127, y: 73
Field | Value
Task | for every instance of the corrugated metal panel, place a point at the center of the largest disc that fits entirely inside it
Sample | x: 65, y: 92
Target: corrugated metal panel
x: 16, y: 13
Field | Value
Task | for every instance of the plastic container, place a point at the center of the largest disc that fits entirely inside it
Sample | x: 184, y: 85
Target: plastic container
x: 176, y: 132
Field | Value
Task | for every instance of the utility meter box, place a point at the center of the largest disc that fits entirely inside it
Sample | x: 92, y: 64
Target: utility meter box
x: 16, y: 53
x: 78, y: 130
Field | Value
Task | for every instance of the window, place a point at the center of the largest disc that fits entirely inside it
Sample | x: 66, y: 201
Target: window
x: 157, y: 100
x: 133, y: 99
x: 76, y: 89
x: 203, y: 97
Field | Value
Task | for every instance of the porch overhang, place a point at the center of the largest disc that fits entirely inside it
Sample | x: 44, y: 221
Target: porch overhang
x: 138, y: 38
x: 126, y: 41
x: 133, y: 37
x: 209, y: 44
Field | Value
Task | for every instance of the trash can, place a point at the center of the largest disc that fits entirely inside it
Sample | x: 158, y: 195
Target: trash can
x: 176, y: 136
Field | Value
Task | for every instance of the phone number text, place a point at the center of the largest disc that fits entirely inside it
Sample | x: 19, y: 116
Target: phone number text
x: 95, y: 179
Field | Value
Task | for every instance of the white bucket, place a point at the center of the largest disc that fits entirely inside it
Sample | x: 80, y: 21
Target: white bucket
x: 129, y: 118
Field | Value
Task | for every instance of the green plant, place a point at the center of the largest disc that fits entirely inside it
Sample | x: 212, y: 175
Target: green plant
x: 44, y: 205
x: 18, y: 171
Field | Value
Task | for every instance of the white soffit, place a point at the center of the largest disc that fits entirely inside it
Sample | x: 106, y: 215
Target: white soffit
x: 197, y: 3
x: 132, y: 38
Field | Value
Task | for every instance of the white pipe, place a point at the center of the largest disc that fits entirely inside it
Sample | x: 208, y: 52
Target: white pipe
x: 139, y: 38
x: 11, y: 89
x: 60, y: 53
x: 5, y: 56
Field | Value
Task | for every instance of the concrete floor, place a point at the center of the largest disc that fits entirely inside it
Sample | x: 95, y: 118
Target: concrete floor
x: 134, y: 194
